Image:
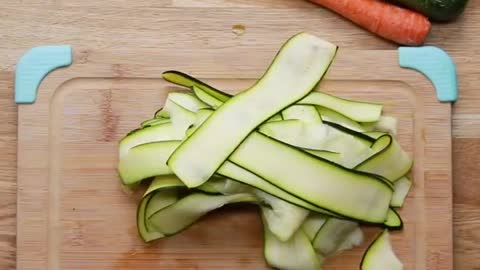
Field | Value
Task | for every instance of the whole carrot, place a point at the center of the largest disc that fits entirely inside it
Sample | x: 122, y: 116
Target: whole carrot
x: 394, y: 23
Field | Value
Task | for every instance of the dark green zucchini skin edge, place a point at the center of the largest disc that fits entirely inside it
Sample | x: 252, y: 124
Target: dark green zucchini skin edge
x: 197, y: 82
x: 398, y: 226
x: 350, y: 131
x: 157, y: 111
x: 368, y: 248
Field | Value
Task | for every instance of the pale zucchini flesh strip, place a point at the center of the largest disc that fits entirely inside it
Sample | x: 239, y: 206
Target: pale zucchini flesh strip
x: 389, y: 160
x: 161, y: 132
x: 295, y: 254
x: 305, y: 113
x: 282, y: 218
x: 145, y: 161
x: 161, y: 199
x: 188, y: 101
x: 189, y: 209
x: 294, y: 72
x: 297, y: 133
x: 355, y: 110
x: 224, y: 186
x: 202, y: 116
x: 180, y: 116
x: 320, y: 182
x: 313, y: 224
x: 161, y: 193
x: 401, y: 189
x: 162, y: 182
x: 337, y: 118
x: 332, y: 234
x: 143, y: 231
x: 206, y: 98
x: 380, y: 255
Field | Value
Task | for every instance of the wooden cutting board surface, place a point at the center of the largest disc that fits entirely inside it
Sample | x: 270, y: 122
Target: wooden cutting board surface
x: 74, y: 214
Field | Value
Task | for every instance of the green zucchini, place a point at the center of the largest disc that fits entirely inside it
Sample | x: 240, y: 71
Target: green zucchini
x: 180, y: 116
x: 328, y: 155
x: 380, y: 256
x: 351, y: 150
x: 145, y: 161
x: 143, y: 231
x: 337, y: 118
x: 354, y: 110
x: 332, y: 234
x: 389, y: 160
x: 401, y: 189
x: 181, y: 119
x: 224, y: 186
x: 161, y: 193
x: 297, y: 133
x: 437, y: 10
x: 294, y: 72
x: 187, y: 101
x: 208, y: 99
x: 304, y: 113
x: 237, y: 173
x: 186, y: 80
x: 189, y: 209
x: 275, y: 118
x: 163, y: 182
x: 161, y: 132
x: 283, y: 219
x: 312, y: 225
x: 320, y: 182
x: 360, y: 136
x: 369, y: 195
x: 202, y: 116
x: 295, y: 254
x: 393, y: 221
x: 154, y: 122
x: 161, y: 199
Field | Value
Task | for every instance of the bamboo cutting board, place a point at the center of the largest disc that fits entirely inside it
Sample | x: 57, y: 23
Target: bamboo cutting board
x: 74, y: 214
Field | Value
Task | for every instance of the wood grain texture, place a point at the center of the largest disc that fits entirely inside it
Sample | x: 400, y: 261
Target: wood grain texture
x: 94, y: 25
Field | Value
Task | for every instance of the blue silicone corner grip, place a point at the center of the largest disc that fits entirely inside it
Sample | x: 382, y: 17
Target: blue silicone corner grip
x: 34, y: 65
x: 436, y: 65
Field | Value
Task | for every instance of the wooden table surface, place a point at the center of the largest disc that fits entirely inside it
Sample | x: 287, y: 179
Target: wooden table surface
x: 120, y: 24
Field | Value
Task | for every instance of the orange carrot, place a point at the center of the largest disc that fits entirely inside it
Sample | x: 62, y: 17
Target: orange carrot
x: 386, y: 20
